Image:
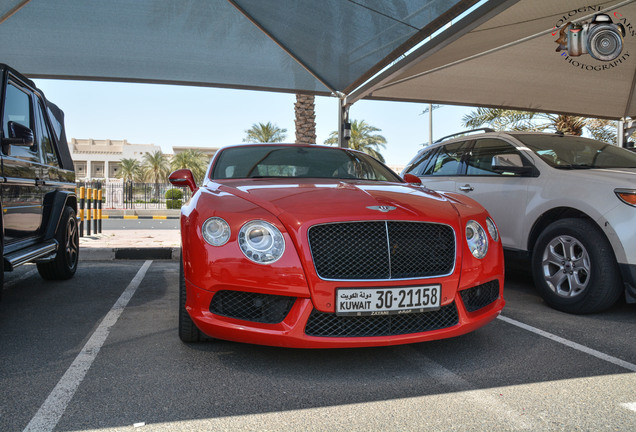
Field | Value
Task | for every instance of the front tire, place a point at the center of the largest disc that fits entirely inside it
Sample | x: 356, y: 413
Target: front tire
x: 188, y: 331
x: 574, y: 267
x: 65, y: 263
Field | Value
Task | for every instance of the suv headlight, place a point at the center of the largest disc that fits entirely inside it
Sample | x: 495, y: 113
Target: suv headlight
x: 261, y: 242
x: 476, y: 239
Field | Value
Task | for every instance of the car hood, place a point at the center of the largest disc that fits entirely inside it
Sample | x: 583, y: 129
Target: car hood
x: 297, y: 203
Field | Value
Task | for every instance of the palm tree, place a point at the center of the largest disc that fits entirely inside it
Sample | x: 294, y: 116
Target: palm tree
x: 504, y: 119
x: 305, y: 119
x: 130, y: 170
x: 195, y: 160
x: 265, y: 133
x: 156, y: 168
x: 363, y: 138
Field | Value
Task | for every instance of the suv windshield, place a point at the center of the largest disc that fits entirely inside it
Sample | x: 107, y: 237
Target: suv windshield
x: 572, y: 152
x: 263, y: 160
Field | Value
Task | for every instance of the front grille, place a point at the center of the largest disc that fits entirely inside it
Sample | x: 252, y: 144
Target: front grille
x: 330, y: 325
x: 480, y: 296
x: 262, y: 308
x: 382, y: 250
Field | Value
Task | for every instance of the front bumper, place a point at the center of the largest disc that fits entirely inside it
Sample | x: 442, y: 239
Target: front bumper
x: 294, y: 322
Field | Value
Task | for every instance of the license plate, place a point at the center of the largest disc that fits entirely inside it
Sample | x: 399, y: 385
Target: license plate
x: 387, y: 301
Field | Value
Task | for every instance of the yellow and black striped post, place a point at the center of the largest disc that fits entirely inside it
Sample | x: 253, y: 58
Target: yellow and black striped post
x: 95, y: 204
x: 82, y: 191
x: 99, y: 210
x: 89, y: 196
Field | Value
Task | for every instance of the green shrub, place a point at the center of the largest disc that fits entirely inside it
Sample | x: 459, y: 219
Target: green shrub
x: 173, y: 203
x: 174, y: 194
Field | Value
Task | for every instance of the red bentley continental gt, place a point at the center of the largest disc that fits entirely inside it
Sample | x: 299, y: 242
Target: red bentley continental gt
x: 311, y: 246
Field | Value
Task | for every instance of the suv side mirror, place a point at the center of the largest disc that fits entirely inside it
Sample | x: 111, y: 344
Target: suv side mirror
x: 510, y: 164
x: 19, y: 135
x: 183, y: 178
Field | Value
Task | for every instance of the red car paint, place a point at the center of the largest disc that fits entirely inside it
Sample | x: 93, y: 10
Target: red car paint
x: 293, y: 205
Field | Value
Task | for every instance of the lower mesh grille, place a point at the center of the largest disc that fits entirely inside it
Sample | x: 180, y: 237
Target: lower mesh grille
x: 480, y: 296
x: 330, y: 325
x: 262, y: 308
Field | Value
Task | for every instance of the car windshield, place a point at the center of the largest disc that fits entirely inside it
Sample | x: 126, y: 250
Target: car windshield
x: 572, y: 152
x: 260, y: 161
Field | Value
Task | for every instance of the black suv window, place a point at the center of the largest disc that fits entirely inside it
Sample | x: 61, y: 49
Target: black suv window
x: 43, y: 137
x: 483, y: 152
x: 17, y: 109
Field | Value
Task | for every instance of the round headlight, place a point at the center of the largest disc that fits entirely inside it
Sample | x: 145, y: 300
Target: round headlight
x: 476, y: 239
x: 261, y: 242
x: 216, y: 231
x: 492, y: 229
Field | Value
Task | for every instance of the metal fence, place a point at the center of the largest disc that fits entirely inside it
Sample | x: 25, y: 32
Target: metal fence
x: 131, y: 195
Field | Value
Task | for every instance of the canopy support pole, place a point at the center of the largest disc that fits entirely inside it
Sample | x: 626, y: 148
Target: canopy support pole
x: 344, y: 125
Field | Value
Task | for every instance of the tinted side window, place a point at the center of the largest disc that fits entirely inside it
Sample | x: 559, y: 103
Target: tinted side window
x: 17, y: 109
x: 422, y: 162
x: 44, y: 137
x: 481, y: 157
x: 448, y: 161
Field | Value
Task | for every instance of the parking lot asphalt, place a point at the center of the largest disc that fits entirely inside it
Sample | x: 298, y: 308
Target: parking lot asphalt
x: 101, y: 352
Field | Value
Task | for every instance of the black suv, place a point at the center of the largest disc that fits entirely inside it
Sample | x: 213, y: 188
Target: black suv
x: 39, y: 204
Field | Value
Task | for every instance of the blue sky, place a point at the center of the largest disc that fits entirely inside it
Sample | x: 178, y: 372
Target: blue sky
x: 168, y: 115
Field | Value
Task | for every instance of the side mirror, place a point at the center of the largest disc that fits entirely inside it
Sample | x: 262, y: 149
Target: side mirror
x: 410, y: 178
x: 19, y: 135
x: 510, y: 164
x: 183, y: 178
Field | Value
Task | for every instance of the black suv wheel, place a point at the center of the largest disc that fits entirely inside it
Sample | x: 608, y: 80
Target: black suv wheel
x: 65, y: 263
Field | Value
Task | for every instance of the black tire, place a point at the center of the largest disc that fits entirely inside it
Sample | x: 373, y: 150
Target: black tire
x: 1, y: 264
x: 188, y: 331
x: 574, y: 267
x: 65, y: 263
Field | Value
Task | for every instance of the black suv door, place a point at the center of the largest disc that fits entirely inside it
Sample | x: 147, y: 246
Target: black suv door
x: 22, y: 193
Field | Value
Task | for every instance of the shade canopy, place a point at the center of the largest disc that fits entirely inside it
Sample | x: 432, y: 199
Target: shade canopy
x: 513, y: 60
x: 494, y: 53
x: 303, y: 46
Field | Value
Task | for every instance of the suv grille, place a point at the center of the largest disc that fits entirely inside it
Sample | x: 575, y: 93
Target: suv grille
x: 262, y: 308
x: 330, y: 325
x: 382, y: 250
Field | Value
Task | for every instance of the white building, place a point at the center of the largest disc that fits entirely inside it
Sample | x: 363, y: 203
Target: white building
x: 101, y: 159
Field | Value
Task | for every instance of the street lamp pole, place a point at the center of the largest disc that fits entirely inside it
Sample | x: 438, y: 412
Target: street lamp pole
x: 429, y: 110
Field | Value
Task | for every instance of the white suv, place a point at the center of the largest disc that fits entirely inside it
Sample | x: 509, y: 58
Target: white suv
x: 566, y: 202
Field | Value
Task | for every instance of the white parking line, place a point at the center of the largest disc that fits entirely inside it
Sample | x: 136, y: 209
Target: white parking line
x: 55, y: 404
x: 573, y: 345
x: 480, y: 398
x: 630, y: 406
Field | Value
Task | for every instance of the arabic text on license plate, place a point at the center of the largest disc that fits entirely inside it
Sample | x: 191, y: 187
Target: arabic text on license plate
x: 387, y: 301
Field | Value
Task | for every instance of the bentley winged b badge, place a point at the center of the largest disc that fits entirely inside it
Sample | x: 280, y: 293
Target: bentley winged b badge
x: 383, y: 209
